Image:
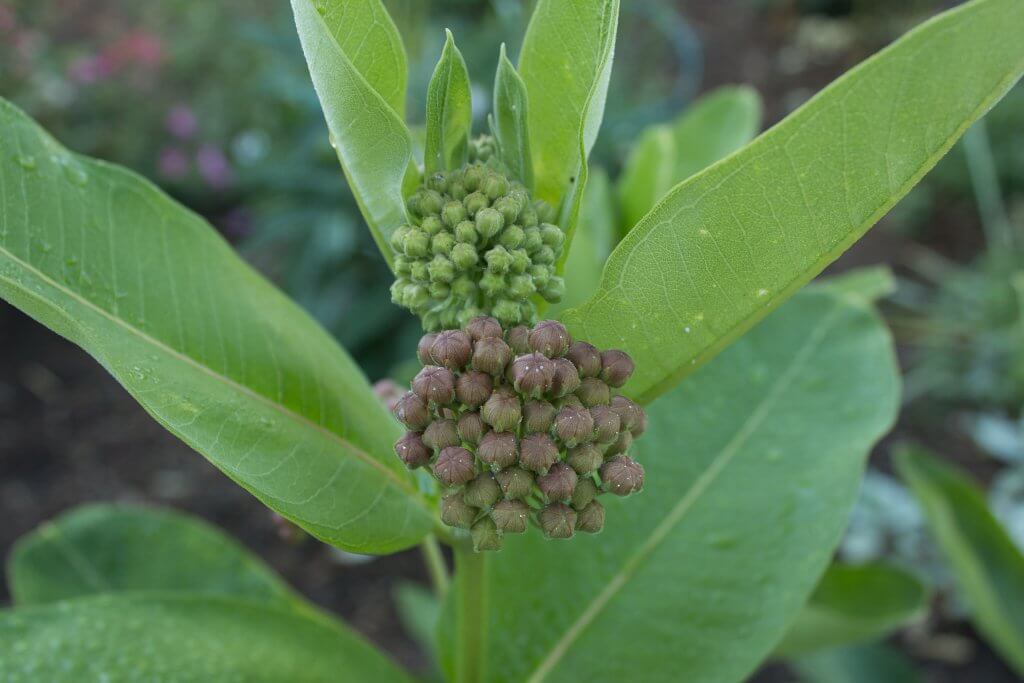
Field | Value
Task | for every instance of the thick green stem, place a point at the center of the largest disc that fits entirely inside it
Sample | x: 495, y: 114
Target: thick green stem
x: 470, y: 605
x: 435, y: 565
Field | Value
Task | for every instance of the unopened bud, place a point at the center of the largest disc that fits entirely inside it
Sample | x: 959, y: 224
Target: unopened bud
x: 550, y: 338
x: 432, y: 225
x: 509, y: 209
x: 492, y: 284
x: 519, y: 340
x: 516, y: 483
x: 606, y: 423
x: 498, y: 259
x: 557, y: 520
x: 465, y: 233
x: 473, y: 176
x: 616, y: 367
x: 438, y: 182
x: 486, y: 536
x: 483, y: 327
x: 453, y: 213
x: 412, y: 411
x: 532, y: 374
x: 574, y: 426
x: 621, y: 444
x: 566, y: 380
x: 630, y: 414
x: 491, y: 355
x: 552, y: 235
x: 456, y: 512
x: 417, y: 244
x: 452, y: 349
x: 594, y: 392
x: 473, y: 388
x: 502, y: 410
x: 586, y: 358
x: 585, y: 458
x: 520, y: 264
x: 538, y: 416
x: 471, y: 428
x: 483, y: 491
x: 488, y: 223
x: 537, y: 452
x: 435, y: 384
x: 511, y: 237
x: 639, y: 423
x: 454, y: 466
x: 495, y: 186
x: 586, y: 491
x: 412, y: 451
x: 475, y: 202
x: 559, y: 482
x: 423, y: 348
x: 441, y: 434
x: 498, y: 449
x: 510, y: 516
x: 622, y: 475
x: 464, y: 256
x: 508, y: 312
x: 532, y: 241
x: 430, y: 203
x: 591, y: 518
x: 521, y: 286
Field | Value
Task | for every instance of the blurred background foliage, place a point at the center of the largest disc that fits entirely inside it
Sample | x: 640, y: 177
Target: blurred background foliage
x: 212, y: 101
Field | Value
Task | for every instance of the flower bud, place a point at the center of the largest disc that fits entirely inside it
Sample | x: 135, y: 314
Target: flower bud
x: 438, y: 182
x: 538, y: 417
x: 432, y: 225
x: 439, y: 290
x: 473, y: 176
x: 520, y: 263
x: 403, y: 266
x: 430, y: 203
x: 508, y: 312
x: 441, y: 268
x: 417, y: 244
x: 423, y: 348
x: 606, y: 424
x: 586, y: 491
x: 532, y: 241
x: 491, y: 355
x: 537, y: 452
x: 483, y: 491
x: 550, y: 338
x: 541, y: 275
x: 434, y: 384
x: 498, y: 449
x: 492, y: 284
x: 441, y: 434
x: 545, y: 212
x: 532, y: 374
x: 552, y: 235
x: 640, y: 424
x: 630, y: 414
x: 586, y: 358
x: 519, y: 340
x: 557, y: 520
x: 528, y: 217
x: 457, y: 191
x: 471, y: 428
x: 516, y: 483
x: 483, y: 327
x: 419, y: 272
x: 545, y: 256
x: 510, y: 516
x: 397, y: 239
x: 509, y: 208
x: 521, y: 286
x: 574, y: 425
x: 511, y: 237
x: 585, y: 458
x: 591, y: 518
x: 488, y: 223
x: 486, y: 536
x: 495, y: 186
x: 464, y: 288
x: 473, y: 388
x: 621, y: 444
x: 412, y: 411
x: 498, y: 259
x: 475, y: 203
x: 464, y: 256
x: 502, y: 410
x: 454, y: 466
x: 453, y: 213
x: 593, y: 392
x: 411, y: 449
x: 465, y: 233
x: 622, y: 475
x: 456, y: 512
x: 452, y: 349
x: 616, y: 367
x: 559, y: 482
x: 567, y: 379
x: 554, y: 291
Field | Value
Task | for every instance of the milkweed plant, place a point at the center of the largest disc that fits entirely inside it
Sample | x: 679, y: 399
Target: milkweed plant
x: 640, y: 466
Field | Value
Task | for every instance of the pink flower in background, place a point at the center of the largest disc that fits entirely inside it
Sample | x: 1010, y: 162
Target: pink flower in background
x: 181, y: 122
x: 138, y: 47
x: 7, y: 21
x: 89, y: 69
x: 213, y: 166
x: 173, y: 163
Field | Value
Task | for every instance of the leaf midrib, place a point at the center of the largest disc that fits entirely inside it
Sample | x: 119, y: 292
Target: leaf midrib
x: 227, y: 381
x: 686, y: 503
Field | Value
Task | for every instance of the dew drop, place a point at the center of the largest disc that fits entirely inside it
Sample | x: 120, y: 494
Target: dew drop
x: 686, y: 329
x: 26, y: 161
x: 762, y: 292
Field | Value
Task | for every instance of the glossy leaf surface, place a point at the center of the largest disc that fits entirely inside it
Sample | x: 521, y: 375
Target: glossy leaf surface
x: 511, y: 120
x: 449, y: 112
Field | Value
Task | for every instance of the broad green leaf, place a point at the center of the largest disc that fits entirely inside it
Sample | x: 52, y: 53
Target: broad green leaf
x: 358, y: 66
x: 752, y: 467
x: 210, y: 349
x: 117, y: 548
x: 419, y: 611
x: 449, y: 112
x: 868, y: 284
x: 987, y: 566
x: 511, y: 120
x: 728, y: 245
x: 594, y: 241
x: 566, y: 63
x: 854, y: 604
x: 857, y: 664
x: 715, y: 126
x: 181, y: 639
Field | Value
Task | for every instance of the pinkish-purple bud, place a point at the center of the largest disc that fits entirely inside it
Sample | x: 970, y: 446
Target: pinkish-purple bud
x: 471, y: 427
x: 456, y: 512
x: 498, y: 449
x: 616, y: 367
x: 532, y: 374
x: 557, y: 520
x: 574, y: 426
x: 491, y: 355
x: 452, y: 349
x: 566, y: 379
x: 454, y: 466
x: 516, y: 483
x: 594, y: 392
x: 622, y: 475
x: 606, y: 423
x: 538, y: 416
x: 550, y: 338
x: 412, y: 411
x: 590, y: 519
x: 586, y: 358
x: 559, y: 482
x: 510, y: 516
x: 483, y: 327
x: 537, y: 452
x: 473, y: 388
x: 435, y: 384
x: 411, y: 449
x: 519, y: 340
x: 423, y: 348
x: 441, y: 434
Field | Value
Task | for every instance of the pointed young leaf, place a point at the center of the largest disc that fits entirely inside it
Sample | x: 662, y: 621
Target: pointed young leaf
x: 752, y: 467
x: 449, y: 112
x: 987, y: 566
x: 729, y: 244
x: 208, y: 347
x: 566, y: 64
x: 511, y: 120
x: 854, y: 604
x: 116, y: 548
x: 358, y: 66
x: 711, y: 129
x: 181, y: 638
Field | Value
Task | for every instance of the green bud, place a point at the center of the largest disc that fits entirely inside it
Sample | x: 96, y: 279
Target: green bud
x: 418, y: 271
x: 541, y: 275
x: 516, y: 483
x: 521, y: 287
x: 498, y: 260
x: 464, y: 288
x: 558, y: 483
x: 442, y: 243
x: 441, y: 434
x: 398, y: 238
x: 439, y: 290
x: 557, y: 520
x: 544, y: 256
x: 475, y: 203
x: 552, y: 235
x: 398, y: 291
x: 466, y: 314
x: 495, y: 186
x: 622, y: 475
x: 510, y: 516
x: 585, y: 458
x: 532, y: 241
x: 554, y: 291
x: 594, y: 392
x: 416, y: 296
x: 502, y: 410
x: 456, y: 513
x: 417, y: 244
x: 486, y: 536
x: 528, y: 217
x: 453, y: 213
x: 464, y: 256
x: 403, y: 266
x: 492, y: 284
x: 511, y: 237
x: 590, y: 519
x: 438, y: 182
x: 465, y: 232
x: 441, y: 269
x: 454, y: 466
x: 509, y: 208
x: 508, y: 312
x: 482, y: 492
x: 473, y: 176
x: 586, y: 491
x: 545, y: 212
x: 538, y: 417
x: 430, y: 203
x: 431, y: 225
x: 520, y: 261
x: 457, y: 191
x: 488, y: 223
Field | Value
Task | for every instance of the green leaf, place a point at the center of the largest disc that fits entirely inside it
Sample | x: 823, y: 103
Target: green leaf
x: 867, y: 284
x: 987, y: 566
x: 566, y: 64
x: 511, y: 120
x: 727, y: 246
x: 715, y: 126
x: 181, y: 639
x: 210, y: 349
x: 854, y: 604
x: 358, y: 66
x: 117, y: 548
x: 752, y: 467
x: 449, y: 112
x: 857, y: 664
x: 419, y: 611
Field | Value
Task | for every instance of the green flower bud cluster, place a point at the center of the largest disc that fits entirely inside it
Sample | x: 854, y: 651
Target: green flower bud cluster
x: 478, y: 245
x: 483, y: 150
x: 521, y: 425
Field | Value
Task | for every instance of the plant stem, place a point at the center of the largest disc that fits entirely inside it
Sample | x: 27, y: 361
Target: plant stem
x: 999, y: 233
x: 435, y: 565
x: 470, y: 605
